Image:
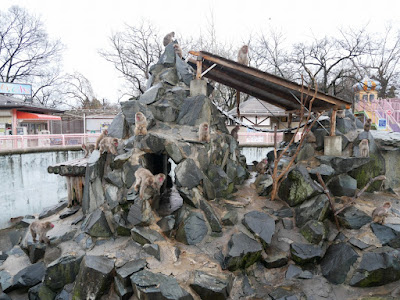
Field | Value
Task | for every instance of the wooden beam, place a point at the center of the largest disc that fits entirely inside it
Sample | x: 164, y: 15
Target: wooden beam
x: 238, y: 103
x: 333, y: 123
x: 199, y: 63
x: 290, y: 118
x: 269, y: 77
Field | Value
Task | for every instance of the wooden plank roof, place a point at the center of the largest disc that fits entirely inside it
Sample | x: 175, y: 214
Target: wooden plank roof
x: 262, y: 85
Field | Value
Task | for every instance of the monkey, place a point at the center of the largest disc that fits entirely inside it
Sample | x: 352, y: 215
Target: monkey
x: 144, y: 179
x: 101, y: 136
x: 140, y: 124
x: 109, y: 144
x: 262, y: 166
x: 367, y: 125
x: 234, y: 132
x: 168, y: 38
x: 16, y: 219
x: 204, y: 132
x: 88, y: 149
x: 364, y: 148
x: 341, y: 113
x: 39, y: 228
x: 243, y: 57
x: 380, y: 213
x: 178, y: 50
x: 310, y: 137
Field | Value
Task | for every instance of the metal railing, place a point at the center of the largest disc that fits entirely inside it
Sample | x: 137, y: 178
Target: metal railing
x: 45, y: 140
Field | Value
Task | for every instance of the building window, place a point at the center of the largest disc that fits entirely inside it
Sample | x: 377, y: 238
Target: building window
x: 371, y: 97
x: 365, y: 97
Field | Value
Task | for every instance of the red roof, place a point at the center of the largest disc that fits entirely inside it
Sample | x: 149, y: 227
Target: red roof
x: 22, y: 115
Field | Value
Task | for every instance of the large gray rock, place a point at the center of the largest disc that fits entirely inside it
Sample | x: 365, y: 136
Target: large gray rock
x: 211, y: 216
x: 53, y: 209
x: 130, y: 108
x: 167, y: 224
x: 187, y: 174
x: 353, y: 218
x: 316, y: 208
x: 94, y: 277
x: 210, y: 287
x: 378, y: 267
x: 36, y: 251
x: 263, y: 184
x: 174, y: 152
x: 261, y: 225
x: 195, y: 110
x: 40, y: 292
x: 314, y: 231
x: 343, y: 185
x: 93, y: 194
x: 140, y: 213
x: 298, y: 187
x: 148, y: 285
x: 243, y: 251
x: 337, y: 262
x: 343, y: 164
x: 27, y: 277
x: 185, y: 72
x: 223, y: 185
x: 118, y: 127
x: 386, y: 235
x: 62, y: 271
x: 96, y: 225
x: 192, y: 229
x: 115, y: 176
x: 152, y: 94
x: 122, y: 282
x: 145, y: 235
x: 168, y: 57
x: 306, y: 253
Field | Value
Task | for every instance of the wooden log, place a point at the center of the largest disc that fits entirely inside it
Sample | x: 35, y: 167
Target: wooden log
x: 333, y: 123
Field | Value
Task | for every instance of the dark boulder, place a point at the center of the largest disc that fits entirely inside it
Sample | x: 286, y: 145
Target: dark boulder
x: 337, y: 262
x: 153, y: 250
x: 36, y: 251
x: 243, y: 251
x: 94, y: 277
x: 314, y: 231
x: 261, y: 225
x: 187, y: 174
x: 27, y: 277
x: 62, y: 271
x: 96, y: 225
x: 378, y: 267
x: 192, y: 229
x: 316, y: 208
x: 211, y: 216
x: 47, y: 212
x: 298, y: 187
x: 210, y: 287
x: 306, y: 253
x: 353, y: 218
x: 145, y: 235
x: 41, y: 292
x: 148, y: 285
x: 343, y: 185
x: 230, y: 218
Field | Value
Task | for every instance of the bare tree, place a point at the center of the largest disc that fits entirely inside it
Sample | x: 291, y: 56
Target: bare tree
x: 132, y: 53
x: 381, y: 61
x: 26, y: 53
x: 329, y: 59
x: 79, y: 89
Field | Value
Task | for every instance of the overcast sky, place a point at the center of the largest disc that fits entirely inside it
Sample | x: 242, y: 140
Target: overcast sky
x: 84, y: 26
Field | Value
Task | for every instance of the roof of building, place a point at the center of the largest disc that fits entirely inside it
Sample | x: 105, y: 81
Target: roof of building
x: 255, y: 107
x: 7, y: 102
x: 262, y: 85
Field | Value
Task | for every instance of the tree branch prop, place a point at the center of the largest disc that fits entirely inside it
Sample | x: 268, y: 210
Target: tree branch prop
x: 326, y: 191
x: 277, y: 178
x: 372, y: 180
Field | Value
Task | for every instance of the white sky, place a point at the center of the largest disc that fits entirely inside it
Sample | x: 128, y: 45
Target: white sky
x: 84, y: 26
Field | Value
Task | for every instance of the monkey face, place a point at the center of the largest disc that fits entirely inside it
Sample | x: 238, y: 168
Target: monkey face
x: 49, y: 225
x: 245, y: 49
x: 139, y: 116
x: 115, y: 142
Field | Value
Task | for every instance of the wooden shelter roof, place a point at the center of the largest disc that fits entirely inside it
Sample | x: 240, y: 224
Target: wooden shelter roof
x: 262, y: 85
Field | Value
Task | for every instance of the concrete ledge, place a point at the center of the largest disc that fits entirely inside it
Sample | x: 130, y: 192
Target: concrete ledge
x: 333, y: 145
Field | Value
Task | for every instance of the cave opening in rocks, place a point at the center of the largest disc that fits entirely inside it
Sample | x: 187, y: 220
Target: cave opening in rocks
x: 170, y: 199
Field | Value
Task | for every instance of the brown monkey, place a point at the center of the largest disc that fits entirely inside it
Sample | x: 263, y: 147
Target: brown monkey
x: 341, y: 113
x: 144, y: 179
x: 39, y: 228
x: 380, y: 213
x: 109, y: 144
x: 310, y: 137
x: 262, y: 166
x: 243, y: 57
x: 140, y: 124
x: 88, y: 149
x: 364, y: 148
x: 178, y: 50
x: 204, y: 132
x: 234, y: 132
x: 103, y: 134
x: 168, y: 38
x: 367, y: 125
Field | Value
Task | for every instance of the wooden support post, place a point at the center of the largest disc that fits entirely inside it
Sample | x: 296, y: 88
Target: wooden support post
x: 333, y: 123
x: 199, y: 65
x: 238, y: 103
x: 290, y: 120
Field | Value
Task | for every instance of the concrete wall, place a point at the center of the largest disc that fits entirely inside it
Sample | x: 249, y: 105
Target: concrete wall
x: 27, y: 187
x: 254, y: 153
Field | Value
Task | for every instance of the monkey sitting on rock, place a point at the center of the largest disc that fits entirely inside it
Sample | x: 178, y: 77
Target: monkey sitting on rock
x: 40, y: 229
x: 168, y: 38
x: 367, y: 125
x: 380, y: 213
x: 109, y: 144
x: 140, y: 124
x: 364, y: 148
x: 101, y: 136
x: 204, y: 132
x: 243, y: 57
